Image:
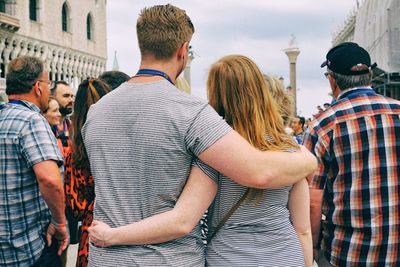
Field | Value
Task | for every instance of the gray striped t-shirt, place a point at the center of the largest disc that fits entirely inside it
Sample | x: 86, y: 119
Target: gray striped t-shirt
x: 141, y: 139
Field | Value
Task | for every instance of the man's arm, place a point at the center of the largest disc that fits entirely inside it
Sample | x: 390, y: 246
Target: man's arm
x: 51, y: 188
x: 316, y: 198
x: 196, y: 197
x: 233, y: 156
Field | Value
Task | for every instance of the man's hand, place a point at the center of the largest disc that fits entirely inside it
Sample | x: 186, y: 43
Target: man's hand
x: 59, y: 232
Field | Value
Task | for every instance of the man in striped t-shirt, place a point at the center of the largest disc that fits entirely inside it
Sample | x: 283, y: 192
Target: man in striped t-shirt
x: 141, y: 139
x: 357, y: 143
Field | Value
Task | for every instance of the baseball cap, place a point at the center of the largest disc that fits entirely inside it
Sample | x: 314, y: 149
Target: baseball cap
x: 343, y: 57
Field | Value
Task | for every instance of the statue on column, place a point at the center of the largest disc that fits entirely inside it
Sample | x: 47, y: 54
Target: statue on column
x: 292, y: 41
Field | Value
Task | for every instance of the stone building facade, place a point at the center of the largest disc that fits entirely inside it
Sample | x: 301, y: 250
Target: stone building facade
x: 375, y: 26
x: 68, y: 35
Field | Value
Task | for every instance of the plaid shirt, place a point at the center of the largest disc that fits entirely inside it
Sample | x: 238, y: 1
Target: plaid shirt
x: 25, y: 140
x: 357, y: 142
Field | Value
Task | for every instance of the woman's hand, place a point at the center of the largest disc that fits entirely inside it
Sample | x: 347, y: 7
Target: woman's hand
x: 100, y: 234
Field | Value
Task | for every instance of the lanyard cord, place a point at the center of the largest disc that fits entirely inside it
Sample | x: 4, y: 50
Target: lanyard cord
x: 17, y: 102
x: 152, y: 72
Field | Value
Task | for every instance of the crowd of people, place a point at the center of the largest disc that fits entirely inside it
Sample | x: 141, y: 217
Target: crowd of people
x: 128, y: 166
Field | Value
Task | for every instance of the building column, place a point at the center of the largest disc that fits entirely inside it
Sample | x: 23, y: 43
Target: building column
x: 186, y: 73
x: 292, y: 53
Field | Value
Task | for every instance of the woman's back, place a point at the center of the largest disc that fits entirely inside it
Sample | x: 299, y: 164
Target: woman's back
x: 259, y: 232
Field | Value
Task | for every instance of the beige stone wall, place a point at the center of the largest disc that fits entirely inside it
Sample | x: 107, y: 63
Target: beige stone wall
x: 375, y: 26
x: 49, y: 28
x: 377, y: 29
x: 68, y: 55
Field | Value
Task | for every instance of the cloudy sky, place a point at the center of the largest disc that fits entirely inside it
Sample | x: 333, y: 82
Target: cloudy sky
x: 259, y: 29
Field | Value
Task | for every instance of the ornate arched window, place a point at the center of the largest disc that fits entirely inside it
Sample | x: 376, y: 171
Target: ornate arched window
x: 33, y: 10
x: 64, y: 17
x: 89, y: 27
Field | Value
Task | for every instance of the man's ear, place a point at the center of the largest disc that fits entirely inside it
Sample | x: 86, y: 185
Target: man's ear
x: 183, y: 50
x: 37, y: 89
x: 334, y: 86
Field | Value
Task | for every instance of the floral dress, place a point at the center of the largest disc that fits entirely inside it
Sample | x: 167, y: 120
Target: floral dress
x: 79, y: 196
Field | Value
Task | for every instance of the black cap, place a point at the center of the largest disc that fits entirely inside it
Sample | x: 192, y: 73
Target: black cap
x: 343, y: 57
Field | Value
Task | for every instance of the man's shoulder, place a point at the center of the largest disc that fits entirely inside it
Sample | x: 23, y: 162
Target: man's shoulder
x: 365, y: 105
x: 20, y: 114
x: 391, y: 101
x: 161, y: 95
x: 349, y: 109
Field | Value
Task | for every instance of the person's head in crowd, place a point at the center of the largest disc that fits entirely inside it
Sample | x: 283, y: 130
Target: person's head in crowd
x: 164, y: 33
x: 89, y: 92
x: 114, y: 78
x: 307, y: 123
x: 52, y: 113
x: 283, y: 99
x: 348, y: 66
x: 237, y: 90
x: 326, y: 105
x: 26, y: 79
x: 320, y: 109
x: 64, y: 95
x: 298, y: 124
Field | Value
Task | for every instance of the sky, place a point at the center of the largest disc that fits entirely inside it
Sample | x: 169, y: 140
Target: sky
x: 259, y: 29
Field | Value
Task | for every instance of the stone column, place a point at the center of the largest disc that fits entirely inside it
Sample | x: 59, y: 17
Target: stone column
x: 17, y: 48
x: 186, y: 72
x: 6, y: 54
x: 292, y: 52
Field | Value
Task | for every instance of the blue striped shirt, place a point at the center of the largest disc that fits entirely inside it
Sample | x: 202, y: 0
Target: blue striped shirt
x: 25, y: 140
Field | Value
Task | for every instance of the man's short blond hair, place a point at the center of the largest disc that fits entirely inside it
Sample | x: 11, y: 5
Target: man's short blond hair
x: 162, y: 29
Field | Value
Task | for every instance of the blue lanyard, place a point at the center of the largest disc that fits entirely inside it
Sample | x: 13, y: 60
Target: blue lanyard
x: 17, y: 102
x: 152, y: 72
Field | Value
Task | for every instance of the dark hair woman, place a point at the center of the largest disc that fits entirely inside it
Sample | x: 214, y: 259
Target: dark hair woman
x: 79, y: 185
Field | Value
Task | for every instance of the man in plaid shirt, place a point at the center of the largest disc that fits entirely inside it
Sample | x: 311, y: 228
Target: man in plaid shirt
x: 32, y: 221
x: 357, y: 186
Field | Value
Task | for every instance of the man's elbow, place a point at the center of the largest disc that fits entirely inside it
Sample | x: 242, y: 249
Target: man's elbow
x: 263, y: 182
x: 260, y: 180
x: 311, y: 164
x: 49, y: 182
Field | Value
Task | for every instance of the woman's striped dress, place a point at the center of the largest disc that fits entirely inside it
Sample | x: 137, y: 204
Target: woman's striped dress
x: 257, y: 234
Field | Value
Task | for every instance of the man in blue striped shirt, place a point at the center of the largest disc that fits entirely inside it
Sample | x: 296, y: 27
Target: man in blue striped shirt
x: 32, y: 195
